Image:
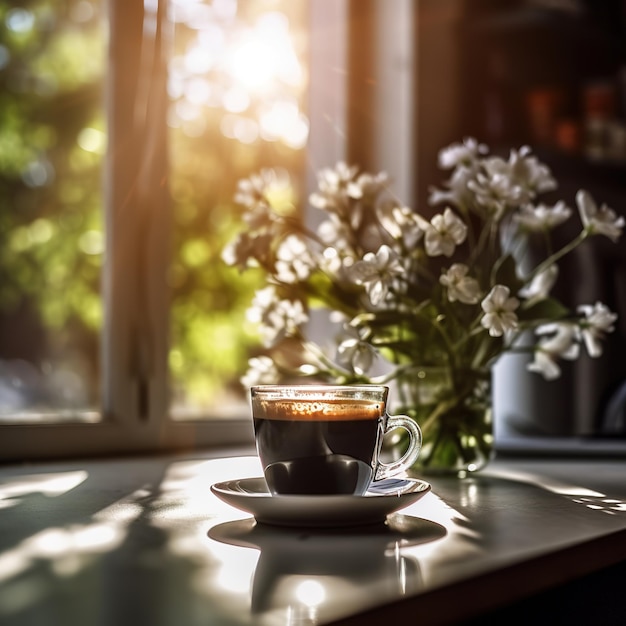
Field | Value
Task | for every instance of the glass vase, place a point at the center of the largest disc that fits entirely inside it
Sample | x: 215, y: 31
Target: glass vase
x: 453, y: 407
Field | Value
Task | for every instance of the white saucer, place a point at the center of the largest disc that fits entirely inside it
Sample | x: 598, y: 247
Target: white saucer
x: 384, y: 497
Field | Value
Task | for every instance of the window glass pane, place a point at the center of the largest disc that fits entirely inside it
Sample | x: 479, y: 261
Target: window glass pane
x: 237, y: 85
x: 51, y: 241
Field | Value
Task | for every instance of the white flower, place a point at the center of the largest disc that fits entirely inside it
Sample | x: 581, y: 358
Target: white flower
x: 262, y: 371
x: 444, y: 233
x: 251, y: 191
x: 498, y: 307
x: 341, y: 192
x: 561, y: 345
x: 238, y: 251
x: 378, y: 273
x: 402, y: 224
x: 334, y: 232
x: 458, y: 192
x: 544, y: 364
x: 277, y: 318
x: 496, y: 190
x: 460, y: 286
x: 597, y: 322
x: 333, y: 187
x: 367, y: 185
x: 542, y: 217
x: 602, y: 221
x: 354, y: 353
x: 507, y: 183
x: 331, y: 262
x: 539, y: 287
x: 461, y: 153
x: 264, y: 299
x: 396, y: 274
x: 286, y: 318
x: 255, y: 193
x: 529, y: 174
x: 294, y: 261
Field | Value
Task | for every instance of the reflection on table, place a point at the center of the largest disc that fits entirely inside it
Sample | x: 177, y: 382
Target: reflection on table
x: 308, y: 575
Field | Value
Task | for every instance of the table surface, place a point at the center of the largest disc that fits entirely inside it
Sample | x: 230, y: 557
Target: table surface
x: 144, y: 541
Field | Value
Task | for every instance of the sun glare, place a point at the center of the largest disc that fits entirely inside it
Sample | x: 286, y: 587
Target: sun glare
x: 311, y: 592
x: 250, y: 71
x: 251, y: 63
x: 264, y: 55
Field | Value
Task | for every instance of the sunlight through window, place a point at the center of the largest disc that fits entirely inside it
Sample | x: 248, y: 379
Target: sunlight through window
x: 237, y: 86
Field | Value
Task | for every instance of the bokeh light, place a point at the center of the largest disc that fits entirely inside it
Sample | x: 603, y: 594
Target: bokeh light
x: 237, y: 67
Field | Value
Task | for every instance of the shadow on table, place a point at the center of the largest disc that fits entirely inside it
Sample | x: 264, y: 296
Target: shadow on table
x: 91, y: 543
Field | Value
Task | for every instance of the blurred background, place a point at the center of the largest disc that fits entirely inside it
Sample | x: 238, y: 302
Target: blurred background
x: 292, y: 85
x: 236, y: 87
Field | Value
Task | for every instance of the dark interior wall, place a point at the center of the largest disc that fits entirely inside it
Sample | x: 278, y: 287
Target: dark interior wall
x: 439, y: 98
x: 551, y: 75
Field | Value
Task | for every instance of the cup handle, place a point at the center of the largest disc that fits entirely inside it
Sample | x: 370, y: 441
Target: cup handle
x: 387, y: 470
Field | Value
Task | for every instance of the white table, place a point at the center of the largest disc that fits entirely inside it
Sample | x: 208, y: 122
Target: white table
x: 142, y: 541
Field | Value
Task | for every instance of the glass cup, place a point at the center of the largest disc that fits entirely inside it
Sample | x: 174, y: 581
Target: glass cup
x: 326, y: 439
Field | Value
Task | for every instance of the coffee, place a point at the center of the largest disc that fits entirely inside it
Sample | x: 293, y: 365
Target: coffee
x: 319, y: 446
x: 326, y: 439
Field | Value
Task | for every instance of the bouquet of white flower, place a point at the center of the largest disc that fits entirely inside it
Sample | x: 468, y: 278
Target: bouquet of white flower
x: 450, y: 291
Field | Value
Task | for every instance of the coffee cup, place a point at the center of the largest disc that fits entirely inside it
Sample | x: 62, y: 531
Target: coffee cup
x: 326, y: 439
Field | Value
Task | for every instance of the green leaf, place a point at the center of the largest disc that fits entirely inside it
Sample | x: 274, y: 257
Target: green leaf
x: 323, y: 293
x: 548, y: 309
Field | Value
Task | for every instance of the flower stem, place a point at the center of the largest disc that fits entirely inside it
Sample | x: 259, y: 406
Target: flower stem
x: 544, y: 265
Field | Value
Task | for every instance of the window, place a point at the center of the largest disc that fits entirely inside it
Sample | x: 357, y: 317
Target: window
x: 130, y: 123
x: 120, y: 328
x: 237, y: 77
x: 51, y: 237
